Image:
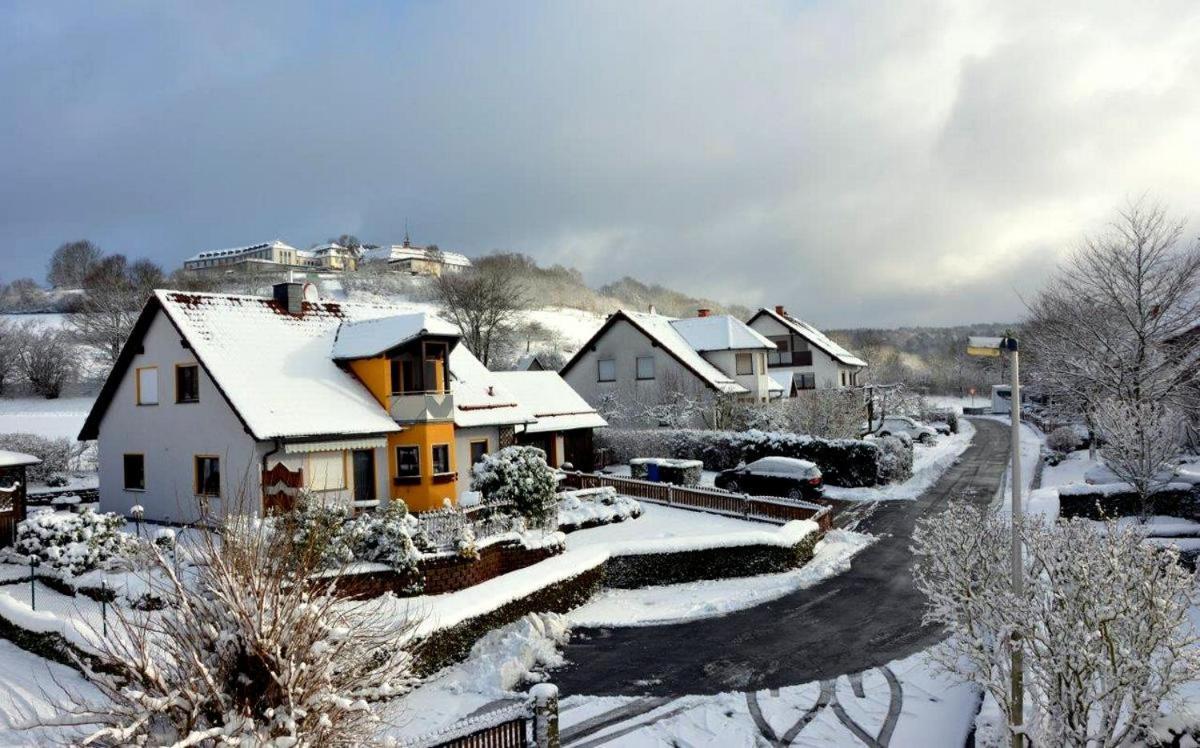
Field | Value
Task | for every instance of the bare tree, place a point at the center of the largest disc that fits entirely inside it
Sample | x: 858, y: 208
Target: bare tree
x: 1103, y: 621
x: 1114, y: 321
x: 253, y: 647
x: 47, y: 360
x: 114, y: 292
x: 486, y: 302
x: 71, y: 263
x: 1140, y: 439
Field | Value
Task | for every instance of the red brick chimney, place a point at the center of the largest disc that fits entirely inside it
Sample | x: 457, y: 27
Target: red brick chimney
x: 779, y: 310
x: 703, y: 312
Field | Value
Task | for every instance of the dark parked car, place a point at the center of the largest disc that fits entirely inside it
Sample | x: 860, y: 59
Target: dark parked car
x: 773, y: 476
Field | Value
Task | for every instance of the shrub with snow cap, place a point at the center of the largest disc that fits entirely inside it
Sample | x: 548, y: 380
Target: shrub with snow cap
x: 520, y: 476
x: 72, y: 543
x: 327, y: 531
x: 1063, y: 439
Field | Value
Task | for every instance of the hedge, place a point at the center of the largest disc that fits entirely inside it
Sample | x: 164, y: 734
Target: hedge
x: 1111, y: 500
x: 844, y: 462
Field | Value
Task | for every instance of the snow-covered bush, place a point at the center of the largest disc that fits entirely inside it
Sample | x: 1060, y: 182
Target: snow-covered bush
x: 72, y: 543
x: 591, y: 507
x: 329, y: 534
x: 844, y: 462
x: 1063, y: 440
x: 1102, y: 622
x: 55, y: 454
x: 895, y: 458
x: 249, y: 650
x: 518, y: 476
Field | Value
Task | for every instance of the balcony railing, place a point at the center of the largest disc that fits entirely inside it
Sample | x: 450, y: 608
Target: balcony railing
x: 422, y: 406
x: 789, y: 358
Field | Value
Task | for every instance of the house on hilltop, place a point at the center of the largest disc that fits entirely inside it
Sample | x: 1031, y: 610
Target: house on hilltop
x: 804, y: 358
x: 641, y: 364
x: 225, y: 402
x: 410, y: 258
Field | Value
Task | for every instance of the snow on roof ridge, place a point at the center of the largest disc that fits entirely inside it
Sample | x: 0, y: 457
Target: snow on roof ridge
x: 662, y: 329
x: 816, y: 336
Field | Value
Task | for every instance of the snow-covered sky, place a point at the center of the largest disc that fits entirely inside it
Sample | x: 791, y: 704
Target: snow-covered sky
x: 861, y: 162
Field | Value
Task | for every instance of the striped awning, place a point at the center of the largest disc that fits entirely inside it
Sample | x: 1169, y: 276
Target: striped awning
x: 373, y: 442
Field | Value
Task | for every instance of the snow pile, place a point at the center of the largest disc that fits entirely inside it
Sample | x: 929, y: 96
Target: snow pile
x: 675, y: 603
x: 591, y: 507
x: 72, y: 543
x: 499, y: 663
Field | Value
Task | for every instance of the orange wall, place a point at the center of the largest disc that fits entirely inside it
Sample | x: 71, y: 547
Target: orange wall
x: 375, y: 373
x: 426, y: 494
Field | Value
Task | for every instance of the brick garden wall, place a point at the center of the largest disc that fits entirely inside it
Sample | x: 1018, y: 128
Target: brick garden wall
x: 442, y: 574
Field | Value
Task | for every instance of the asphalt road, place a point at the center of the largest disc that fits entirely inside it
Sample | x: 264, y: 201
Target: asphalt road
x: 863, y: 618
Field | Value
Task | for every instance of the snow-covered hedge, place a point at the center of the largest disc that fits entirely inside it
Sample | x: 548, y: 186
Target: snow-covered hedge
x: 518, y: 476
x: 592, y: 507
x: 895, y: 458
x: 55, y: 454
x: 844, y: 462
x: 72, y: 543
x: 1109, y: 500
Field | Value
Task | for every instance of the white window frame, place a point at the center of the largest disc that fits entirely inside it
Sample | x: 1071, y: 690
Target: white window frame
x: 145, y: 385
x: 638, y: 369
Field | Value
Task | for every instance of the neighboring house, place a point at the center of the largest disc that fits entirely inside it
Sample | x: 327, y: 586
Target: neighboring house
x: 564, y: 422
x: 639, y: 363
x: 356, y: 403
x: 410, y: 258
x: 331, y: 256
x: 804, y: 358
x: 530, y: 362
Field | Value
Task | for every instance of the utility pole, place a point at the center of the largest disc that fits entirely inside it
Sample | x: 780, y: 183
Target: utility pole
x: 993, y: 347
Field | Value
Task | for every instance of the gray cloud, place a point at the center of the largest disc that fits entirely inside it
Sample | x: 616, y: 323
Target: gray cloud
x: 863, y: 163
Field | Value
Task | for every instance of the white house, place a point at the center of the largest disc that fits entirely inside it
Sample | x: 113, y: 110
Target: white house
x: 640, y: 362
x: 410, y: 258
x: 804, y: 358
x: 224, y: 402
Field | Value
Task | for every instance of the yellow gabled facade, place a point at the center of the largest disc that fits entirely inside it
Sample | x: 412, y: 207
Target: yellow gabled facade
x: 432, y: 487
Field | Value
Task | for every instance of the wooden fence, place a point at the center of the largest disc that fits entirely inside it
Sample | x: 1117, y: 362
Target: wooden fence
x: 759, y: 508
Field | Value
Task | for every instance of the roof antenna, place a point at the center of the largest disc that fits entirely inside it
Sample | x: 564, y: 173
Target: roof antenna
x: 406, y: 232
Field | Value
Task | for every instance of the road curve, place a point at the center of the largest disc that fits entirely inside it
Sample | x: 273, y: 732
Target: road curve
x: 863, y: 618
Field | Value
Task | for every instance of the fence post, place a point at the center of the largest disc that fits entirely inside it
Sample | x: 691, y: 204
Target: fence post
x: 670, y: 494
x: 32, y: 583
x: 545, y: 715
x: 104, y: 607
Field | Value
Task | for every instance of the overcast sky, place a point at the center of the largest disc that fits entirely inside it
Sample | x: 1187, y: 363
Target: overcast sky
x: 864, y: 163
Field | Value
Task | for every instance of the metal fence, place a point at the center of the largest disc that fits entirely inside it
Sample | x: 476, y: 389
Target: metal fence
x: 445, y: 527
x: 529, y: 723
x: 714, y: 500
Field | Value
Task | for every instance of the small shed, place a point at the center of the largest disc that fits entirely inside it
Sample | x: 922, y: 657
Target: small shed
x: 12, y: 492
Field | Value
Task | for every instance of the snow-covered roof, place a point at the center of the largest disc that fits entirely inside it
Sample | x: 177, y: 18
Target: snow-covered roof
x: 662, y: 330
x: 719, y: 332
x: 16, y: 459
x: 775, y: 382
x: 554, y: 403
x: 814, y: 336
x: 235, y: 251
x: 480, y: 399
x: 276, y: 369
x: 400, y: 252
x: 373, y: 337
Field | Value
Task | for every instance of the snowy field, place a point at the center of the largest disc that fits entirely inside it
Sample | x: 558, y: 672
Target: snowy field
x: 62, y: 417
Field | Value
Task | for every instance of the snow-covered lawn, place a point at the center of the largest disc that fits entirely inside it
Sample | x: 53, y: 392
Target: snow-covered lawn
x: 955, y: 403
x: 929, y: 462
x: 50, y: 418
x: 34, y: 690
x: 673, y: 603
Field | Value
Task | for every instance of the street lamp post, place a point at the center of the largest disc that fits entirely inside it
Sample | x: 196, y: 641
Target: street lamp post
x: 993, y: 347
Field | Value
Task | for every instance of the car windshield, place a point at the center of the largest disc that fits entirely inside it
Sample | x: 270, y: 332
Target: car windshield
x: 783, y: 465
